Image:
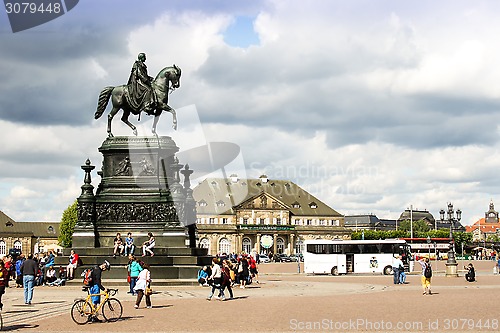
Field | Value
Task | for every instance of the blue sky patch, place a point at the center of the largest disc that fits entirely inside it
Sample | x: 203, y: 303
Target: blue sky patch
x: 241, y: 33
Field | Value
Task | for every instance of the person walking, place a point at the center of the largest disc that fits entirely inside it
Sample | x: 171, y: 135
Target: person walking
x: 4, y: 276
x: 426, y: 276
x: 134, y: 269
x: 226, y: 278
x: 216, y: 277
x: 143, y: 286
x: 29, y: 269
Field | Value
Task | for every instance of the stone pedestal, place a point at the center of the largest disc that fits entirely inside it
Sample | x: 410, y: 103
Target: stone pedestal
x: 451, y: 270
x: 139, y: 192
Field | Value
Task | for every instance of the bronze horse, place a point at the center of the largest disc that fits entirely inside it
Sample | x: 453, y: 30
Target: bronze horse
x: 168, y: 79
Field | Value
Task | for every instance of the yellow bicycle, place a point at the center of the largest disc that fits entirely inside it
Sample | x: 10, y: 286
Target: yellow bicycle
x: 83, y: 310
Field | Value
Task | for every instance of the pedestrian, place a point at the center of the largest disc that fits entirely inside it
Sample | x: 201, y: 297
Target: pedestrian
x: 426, y: 275
x: 4, y: 276
x: 226, y: 279
x: 216, y: 277
x: 397, y: 264
x: 29, y: 269
x: 134, y: 268
x: 143, y: 286
x: 254, y: 273
x: 243, y: 273
x: 73, y: 264
x: 19, y: 275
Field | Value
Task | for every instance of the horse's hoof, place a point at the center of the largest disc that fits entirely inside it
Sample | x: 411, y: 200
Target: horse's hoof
x: 110, y: 135
x: 135, y: 132
x: 174, y: 127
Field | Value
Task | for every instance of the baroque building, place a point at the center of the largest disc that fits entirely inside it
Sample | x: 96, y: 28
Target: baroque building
x: 487, y: 226
x: 262, y: 215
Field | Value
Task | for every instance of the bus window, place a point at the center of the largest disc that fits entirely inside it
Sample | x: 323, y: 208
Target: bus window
x: 371, y: 248
x: 387, y: 248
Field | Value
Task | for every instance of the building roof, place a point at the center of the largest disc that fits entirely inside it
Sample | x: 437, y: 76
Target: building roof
x: 361, y: 221
x: 35, y: 229
x: 219, y: 196
x: 483, y: 226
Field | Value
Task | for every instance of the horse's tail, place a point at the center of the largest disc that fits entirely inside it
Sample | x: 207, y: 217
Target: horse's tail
x: 103, y: 101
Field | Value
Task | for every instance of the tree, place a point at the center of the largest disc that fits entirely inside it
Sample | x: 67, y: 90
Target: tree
x: 418, y: 226
x: 67, y: 226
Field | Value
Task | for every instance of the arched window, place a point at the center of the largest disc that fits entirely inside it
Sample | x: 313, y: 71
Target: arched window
x: 247, y: 245
x: 205, y: 244
x: 3, y: 248
x: 18, y: 245
x: 299, y: 246
x: 280, y: 245
x: 224, y: 246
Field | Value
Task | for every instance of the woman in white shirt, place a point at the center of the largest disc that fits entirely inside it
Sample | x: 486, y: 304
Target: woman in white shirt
x: 148, y: 246
x: 216, y: 278
x: 143, y: 283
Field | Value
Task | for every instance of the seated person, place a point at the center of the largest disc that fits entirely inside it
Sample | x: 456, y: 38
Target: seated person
x: 118, y: 245
x: 73, y: 264
x: 148, y: 245
x: 50, y: 276
x: 471, y: 273
x: 61, y: 280
x: 129, y: 245
x: 203, y: 276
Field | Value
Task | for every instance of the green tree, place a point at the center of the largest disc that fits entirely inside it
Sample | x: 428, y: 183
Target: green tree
x: 67, y: 226
x: 418, y: 226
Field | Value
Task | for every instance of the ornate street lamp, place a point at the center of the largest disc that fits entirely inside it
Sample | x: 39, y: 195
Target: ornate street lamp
x: 453, y: 218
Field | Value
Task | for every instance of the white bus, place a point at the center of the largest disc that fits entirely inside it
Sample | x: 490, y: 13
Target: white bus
x: 354, y: 256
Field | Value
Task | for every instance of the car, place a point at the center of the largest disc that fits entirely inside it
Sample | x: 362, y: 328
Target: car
x: 297, y: 257
x: 282, y: 258
x: 263, y: 258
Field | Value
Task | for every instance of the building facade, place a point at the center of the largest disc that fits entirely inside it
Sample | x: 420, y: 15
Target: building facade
x: 262, y: 215
x: 27, y: 237
x: 487, y: 226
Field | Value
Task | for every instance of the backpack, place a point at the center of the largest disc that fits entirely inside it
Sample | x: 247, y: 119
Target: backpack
x: 87, y: 277
x: 428, y: 271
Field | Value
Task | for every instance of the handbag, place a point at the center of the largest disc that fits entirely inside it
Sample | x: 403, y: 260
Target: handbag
x: 129, y: 278
x: 148, y: 291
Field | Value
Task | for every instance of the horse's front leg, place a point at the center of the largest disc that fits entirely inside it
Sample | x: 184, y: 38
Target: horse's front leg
x: 111, y: 115
x: 125, y: 116
x: 155, y: 122
x: 174, y: 116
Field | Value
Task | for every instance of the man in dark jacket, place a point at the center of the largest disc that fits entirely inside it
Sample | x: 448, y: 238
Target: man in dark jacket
x: 97, y: 286
x: 29, y: 270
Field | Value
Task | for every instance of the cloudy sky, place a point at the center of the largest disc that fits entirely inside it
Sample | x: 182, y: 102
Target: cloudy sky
x: 372, y: 106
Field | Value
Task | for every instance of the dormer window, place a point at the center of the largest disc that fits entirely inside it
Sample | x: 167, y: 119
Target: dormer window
x: 9, y: 224
x: 51, y: 230
x: 296, y: 205
x: 313, y: 205
x: 202, y: 203
x: 220, y: 203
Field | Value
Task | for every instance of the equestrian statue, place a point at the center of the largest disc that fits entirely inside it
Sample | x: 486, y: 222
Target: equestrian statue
x: 142, y: 93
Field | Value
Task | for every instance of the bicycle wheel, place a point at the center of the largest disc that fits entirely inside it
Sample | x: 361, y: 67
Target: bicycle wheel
x: 81, y: 312
x: 112, y: 310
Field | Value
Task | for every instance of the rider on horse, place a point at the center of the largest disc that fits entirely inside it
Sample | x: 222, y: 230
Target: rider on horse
x: 140, y: 93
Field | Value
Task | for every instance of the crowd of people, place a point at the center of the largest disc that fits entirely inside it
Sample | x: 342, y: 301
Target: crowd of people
x: 225, y: 273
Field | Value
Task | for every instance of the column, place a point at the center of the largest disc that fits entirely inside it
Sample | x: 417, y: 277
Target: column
x: 292, y: 243
x: 257, y: 244
x: 275, y: 246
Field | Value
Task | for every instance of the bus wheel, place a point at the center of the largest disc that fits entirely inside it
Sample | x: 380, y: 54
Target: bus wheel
x: 335, y: 271
x: 388, y: 270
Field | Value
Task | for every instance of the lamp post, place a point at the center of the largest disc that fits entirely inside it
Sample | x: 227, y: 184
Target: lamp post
x: 453, y: 217
x: 429, y: 246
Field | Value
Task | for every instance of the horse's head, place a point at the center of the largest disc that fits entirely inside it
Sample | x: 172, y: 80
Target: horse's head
x: 173, y: 74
